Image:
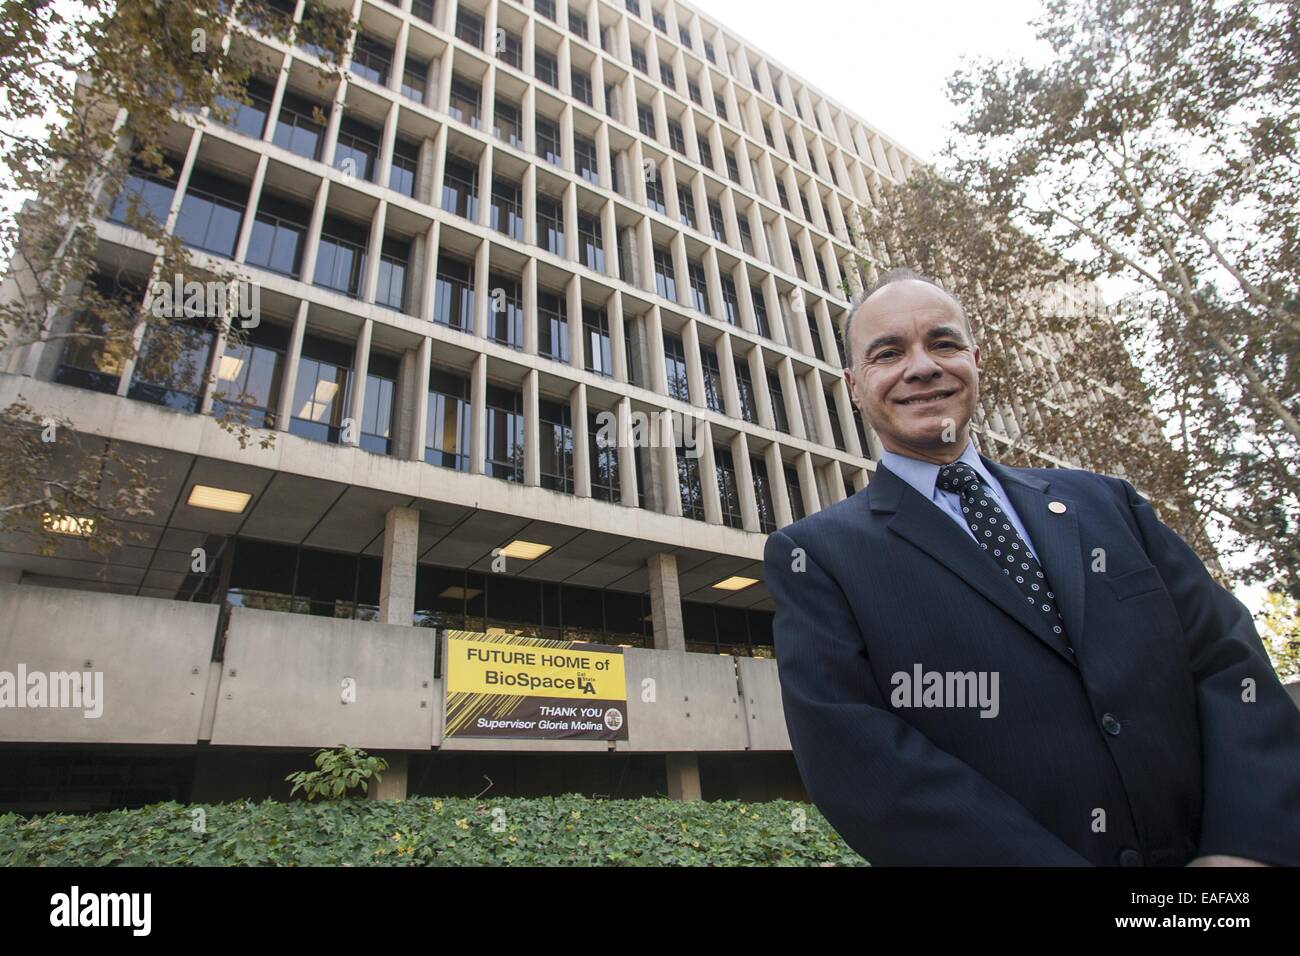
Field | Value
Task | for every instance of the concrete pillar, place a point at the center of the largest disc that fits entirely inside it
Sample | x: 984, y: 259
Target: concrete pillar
x: 397, y: 579
x: 666, y: 603
x: 683, y: 776
x: 392, y: 784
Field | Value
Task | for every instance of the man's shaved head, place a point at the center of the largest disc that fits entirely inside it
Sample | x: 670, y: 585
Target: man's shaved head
x: 894, y: 277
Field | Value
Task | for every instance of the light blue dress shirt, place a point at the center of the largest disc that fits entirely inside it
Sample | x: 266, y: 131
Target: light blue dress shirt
x: 923, y: 476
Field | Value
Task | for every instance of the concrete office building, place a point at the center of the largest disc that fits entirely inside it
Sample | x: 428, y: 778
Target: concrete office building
x: 517, y: 216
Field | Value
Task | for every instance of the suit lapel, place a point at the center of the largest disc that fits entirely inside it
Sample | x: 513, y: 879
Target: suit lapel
x: 926, y: 526
x: 1055, y: 538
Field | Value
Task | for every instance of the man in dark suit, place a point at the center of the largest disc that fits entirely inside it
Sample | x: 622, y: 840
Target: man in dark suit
x: 984, y: 665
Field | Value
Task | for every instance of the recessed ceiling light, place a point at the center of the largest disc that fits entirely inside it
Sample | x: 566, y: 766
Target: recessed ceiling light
x: 525, y: 550
x: 72, y: 525
x: 735, y: 583
x: 459, y: 593
x: 218, y: 499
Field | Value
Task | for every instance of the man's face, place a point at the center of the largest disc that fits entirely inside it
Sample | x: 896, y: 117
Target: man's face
x: 915, y: 376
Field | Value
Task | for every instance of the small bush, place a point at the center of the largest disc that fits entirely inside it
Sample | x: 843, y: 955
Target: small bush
x: 338, y: 770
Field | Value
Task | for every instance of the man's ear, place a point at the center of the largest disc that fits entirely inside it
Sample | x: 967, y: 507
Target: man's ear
x: 977, y: 356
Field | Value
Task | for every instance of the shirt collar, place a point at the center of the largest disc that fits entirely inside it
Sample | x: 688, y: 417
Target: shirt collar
x: 923, y: 475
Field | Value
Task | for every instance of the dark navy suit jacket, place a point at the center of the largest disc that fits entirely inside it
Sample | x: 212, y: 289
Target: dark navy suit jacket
x: 1137, y: 741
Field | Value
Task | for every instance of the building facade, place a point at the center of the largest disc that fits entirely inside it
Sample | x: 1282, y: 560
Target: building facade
x: 519, y: 225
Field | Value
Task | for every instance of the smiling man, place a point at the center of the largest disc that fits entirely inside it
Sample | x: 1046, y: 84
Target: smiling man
x: 1127, y: 713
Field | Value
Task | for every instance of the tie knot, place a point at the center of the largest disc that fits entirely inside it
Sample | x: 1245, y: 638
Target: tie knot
x: 959, y: 478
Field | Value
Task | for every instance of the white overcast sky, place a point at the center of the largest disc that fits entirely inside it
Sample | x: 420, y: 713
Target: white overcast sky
x: 887, y: 62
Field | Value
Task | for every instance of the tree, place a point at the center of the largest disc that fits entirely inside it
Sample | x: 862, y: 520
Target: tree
x: 1157, y: 147
x: 112, y: 79
x: 1279, y: 626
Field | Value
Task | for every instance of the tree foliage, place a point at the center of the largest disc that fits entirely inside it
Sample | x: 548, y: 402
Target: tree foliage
x: 1156, y: 149
x: 94, y: 90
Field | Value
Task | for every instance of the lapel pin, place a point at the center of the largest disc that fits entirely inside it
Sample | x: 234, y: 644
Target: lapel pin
x: 1056, y: 507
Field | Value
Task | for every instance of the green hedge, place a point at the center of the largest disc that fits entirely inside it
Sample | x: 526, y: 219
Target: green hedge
x: 423, y: 831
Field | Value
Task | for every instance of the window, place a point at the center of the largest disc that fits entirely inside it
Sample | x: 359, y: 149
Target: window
x: 602, y: 441
x: 753, y: 79
x: 546, y: 8
x: 654, y: 192
x: 633, y: 5
x: 548, y: 140
x: 730, y: 301
x: 821, y: 274
x: 706, y: 152
x: 279, y: 231
x: 460, y: 188
x: 357, y: 152
x: 249, y: 376
x: 745, y: 386
x: 505, y: 434
x: 837, y: 432
x: 555, y: 445
x: 552, y: 326
x: 446, y: 430
x: 415, y: 79
x: 746, y: 237
x: 423, y: 9
x: 665, y: 283
x: 667, y: 76
x: 713, y: 390
x: 578, y: 24
x: 372, y: 59
x: 733, y: 171
x: 645, y: 119
x: 686, y: 205
x: 657, y: 18
x: 321, y: 398
x: 464, y: 102
x: 688, y: 480
x: 469, y: 27
x: 699, y: 287
x: 795, y: 491
x: 507, y: 214
x: 763, y: 495
x: 172, y: 366
x: 506, y: 122
x: 88, y: 360
x: 394, y: 262
x: 816, y: 338
x: 598, y: 347
x: 250, y: 118
x: 728, y: 489
x: 778, y: 401
x: 211, y: 213
x: 550, y: 225
x: 453, y: 294
x: 684, y: 34
x: 862, y: 432
x: 781, y: 195
x: 715, y: 222
x: 675, y: 367
x: 150, y: 193
x: 377, y: 412
x: 545, y: 68
x: 406, y: 160
x: 708, y: 53
x: 719, y: 105
x: 581, y: 85
x: 584, y: 159
x: 341, y: 259
x: 639, y: 60
x: 506, y: 323
x: 760, y: 311
x: 511, y: 48
x: 590, y: 243
x: 676, y: 138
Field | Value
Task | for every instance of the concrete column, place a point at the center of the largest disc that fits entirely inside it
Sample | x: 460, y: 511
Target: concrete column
x: 420, y: 418
x: 478, y: 415
x: 709, y: 474
x: 745, y: 482
x: 581, y: 449
x: 288, y: 382
x: 360, y: 369
x: 666, y: 603
x: 776, y: 480
x: 626, y: 454
x: 808, y: 482
x: 532, y: 431
x: 393, y: 782
x: 397, y: 580
x: 683, y: 776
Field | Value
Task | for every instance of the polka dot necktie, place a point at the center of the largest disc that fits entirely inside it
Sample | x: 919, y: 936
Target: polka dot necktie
x: 999, y: 539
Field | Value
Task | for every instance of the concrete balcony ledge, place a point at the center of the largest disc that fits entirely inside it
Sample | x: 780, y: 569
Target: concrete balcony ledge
x: 298, y: 681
